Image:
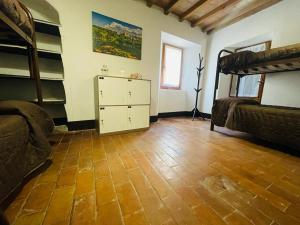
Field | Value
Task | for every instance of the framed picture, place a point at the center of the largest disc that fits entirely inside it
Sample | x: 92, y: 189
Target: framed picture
x: 114, y: 37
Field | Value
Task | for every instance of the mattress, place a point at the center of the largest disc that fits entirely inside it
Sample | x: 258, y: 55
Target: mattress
x: 13, y: 10
x: 242, y: 60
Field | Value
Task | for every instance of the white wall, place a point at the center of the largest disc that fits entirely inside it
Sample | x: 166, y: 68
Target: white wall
x: 82, y: 64
x: 183, y: 99
x: 278, y: 23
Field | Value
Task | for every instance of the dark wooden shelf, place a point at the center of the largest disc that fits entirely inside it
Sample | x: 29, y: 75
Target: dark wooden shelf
x: 14, y: 49
x: 28, y: 77
x: 47, y: 28
x: 23, y: 89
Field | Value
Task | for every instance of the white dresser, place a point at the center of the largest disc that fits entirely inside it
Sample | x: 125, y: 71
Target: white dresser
x: 122, y: 104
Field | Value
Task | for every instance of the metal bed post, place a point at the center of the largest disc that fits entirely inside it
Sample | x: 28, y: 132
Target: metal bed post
x: 33, y: 59
x: 218, y: 70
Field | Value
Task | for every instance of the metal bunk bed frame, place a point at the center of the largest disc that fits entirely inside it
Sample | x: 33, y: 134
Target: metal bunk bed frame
x: 29, y: 42
x: 285, y: 65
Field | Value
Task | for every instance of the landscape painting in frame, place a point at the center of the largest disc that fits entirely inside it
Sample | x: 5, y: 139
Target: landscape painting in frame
x: 114, y: 37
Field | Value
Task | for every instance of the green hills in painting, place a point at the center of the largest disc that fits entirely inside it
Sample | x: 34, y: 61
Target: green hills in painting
x: 113, y: 41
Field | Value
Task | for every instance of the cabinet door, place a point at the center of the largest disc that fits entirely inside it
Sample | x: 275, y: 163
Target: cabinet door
x: 112, y: 91
x: 138, y: 92
x: 138, y: 117
x: 130, y: 118
x: 112, y: 119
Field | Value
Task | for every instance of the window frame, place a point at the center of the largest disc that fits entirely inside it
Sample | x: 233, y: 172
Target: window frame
x: 162, y: 85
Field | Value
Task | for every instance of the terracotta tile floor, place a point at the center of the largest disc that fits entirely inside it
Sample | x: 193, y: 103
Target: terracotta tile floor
x: 177, y: 172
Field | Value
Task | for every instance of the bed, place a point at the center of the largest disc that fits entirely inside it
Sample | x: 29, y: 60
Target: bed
x: 276, y: 124
x: 24, y: 147
x: 272, y: 123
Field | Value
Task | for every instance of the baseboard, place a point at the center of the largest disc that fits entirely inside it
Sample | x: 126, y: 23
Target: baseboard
x: 153, y: 119
x: 81, y: 125
x: 60, y: 121
x: 173, y: 114
x: 178, y: 114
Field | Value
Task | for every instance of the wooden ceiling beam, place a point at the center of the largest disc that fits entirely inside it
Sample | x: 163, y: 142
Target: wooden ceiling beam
x: 192, y: 9
x: 170, y: 6
x: 214, y: 11
x: 149, y: 3
x: 249, y: 12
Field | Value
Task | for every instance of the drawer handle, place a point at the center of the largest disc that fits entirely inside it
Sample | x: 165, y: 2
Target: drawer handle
x: 102, y: 122
x: 129, y: 93
x: 101, y: 93
x: 129, y: 118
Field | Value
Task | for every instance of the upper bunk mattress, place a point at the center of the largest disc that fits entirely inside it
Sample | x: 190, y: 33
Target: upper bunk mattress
x: 13, y: 10
x: 242, y: 60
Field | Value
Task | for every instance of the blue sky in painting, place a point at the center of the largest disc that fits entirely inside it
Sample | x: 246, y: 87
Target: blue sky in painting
x: 101, y: 20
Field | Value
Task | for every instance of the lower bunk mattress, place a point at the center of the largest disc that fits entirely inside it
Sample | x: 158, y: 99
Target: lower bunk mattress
x: 275, y: 124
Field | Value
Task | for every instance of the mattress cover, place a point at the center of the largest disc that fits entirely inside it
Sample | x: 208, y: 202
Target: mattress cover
x: 24, y: 128
x: 14, y: 135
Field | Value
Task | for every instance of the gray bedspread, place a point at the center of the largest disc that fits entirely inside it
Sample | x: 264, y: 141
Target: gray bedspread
x: 24, y: 128
x: 271, y: 123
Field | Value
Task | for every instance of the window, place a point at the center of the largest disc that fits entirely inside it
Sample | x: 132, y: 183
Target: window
x: 171, y: 67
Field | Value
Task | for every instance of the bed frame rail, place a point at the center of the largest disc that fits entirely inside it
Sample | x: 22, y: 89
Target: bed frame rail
x: 218, y: 70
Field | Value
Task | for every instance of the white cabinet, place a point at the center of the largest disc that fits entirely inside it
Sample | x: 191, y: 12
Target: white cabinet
x: 138, y: 92
x: 138, y: 116
x: 112, y: 119
x: 112, y: 91
x: 122, y: 104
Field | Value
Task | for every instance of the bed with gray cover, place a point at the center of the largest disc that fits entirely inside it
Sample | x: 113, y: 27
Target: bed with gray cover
x: 275, y: 124
x: 24, y: 147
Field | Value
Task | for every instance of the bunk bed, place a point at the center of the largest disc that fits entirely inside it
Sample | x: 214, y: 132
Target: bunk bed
x: 24, y: 126
x: 275, y: 124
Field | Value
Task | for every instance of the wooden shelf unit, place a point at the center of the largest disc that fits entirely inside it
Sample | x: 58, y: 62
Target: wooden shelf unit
x: 47, y: 27
x: 14, y: 72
